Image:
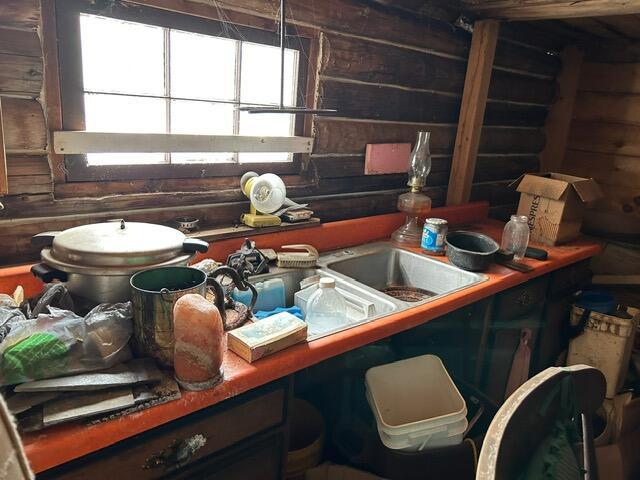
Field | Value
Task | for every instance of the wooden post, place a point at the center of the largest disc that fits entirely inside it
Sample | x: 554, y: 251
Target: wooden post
x: 474, y: 100
x: 558, y: 121
x: 4, y: 178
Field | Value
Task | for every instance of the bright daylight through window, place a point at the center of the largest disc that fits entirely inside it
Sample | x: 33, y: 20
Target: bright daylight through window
x: 148, y: 79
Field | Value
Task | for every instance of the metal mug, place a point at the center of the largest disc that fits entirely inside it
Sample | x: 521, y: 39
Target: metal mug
x: 153, y: 294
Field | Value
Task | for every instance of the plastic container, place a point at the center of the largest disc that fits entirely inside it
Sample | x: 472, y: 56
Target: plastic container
x: 416, y: 404
x: 515, y: 236
x: 605, y: 344
x: 270, y: 295
x: 326, y: 308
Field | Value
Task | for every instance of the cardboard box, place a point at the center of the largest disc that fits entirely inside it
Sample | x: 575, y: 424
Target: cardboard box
x: 554, y: 204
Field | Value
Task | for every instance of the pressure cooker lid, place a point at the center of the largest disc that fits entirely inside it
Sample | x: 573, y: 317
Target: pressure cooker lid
x: 117, y: 243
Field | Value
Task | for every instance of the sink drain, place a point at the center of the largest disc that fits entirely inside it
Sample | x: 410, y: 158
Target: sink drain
x: 408, y: 294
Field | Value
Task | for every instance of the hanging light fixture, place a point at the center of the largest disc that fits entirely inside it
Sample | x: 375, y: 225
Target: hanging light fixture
x: 281, y: 108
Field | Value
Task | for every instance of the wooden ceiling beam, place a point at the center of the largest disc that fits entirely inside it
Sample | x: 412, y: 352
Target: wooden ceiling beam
x: 550, y: 9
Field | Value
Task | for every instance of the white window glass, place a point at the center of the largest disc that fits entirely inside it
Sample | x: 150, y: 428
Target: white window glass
x: 260, y: 82
x: 124, y: 114
x: 123, y: 57
x: 202, y: 66
x: 201, y: 118
x: 266, y: 125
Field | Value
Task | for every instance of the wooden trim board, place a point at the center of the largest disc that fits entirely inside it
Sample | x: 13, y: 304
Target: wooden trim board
x: 4, y: 177
x: 474, y: 101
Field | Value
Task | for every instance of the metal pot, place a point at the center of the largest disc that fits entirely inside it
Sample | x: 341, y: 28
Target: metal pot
x: 470, y: 250
x: 98, y: 260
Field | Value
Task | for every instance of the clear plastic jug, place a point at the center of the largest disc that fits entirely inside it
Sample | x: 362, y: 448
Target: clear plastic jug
x: 326, y: 309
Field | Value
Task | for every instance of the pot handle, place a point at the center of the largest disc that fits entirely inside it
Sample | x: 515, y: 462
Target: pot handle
x: 193, y: 245
x: 220, y: 299
x: 238, y: 281
x: 44, y: 239
x: 47, y: 274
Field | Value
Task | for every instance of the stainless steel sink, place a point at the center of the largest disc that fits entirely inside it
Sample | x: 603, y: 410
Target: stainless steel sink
x: 366, y: 271
x: 381, y: 265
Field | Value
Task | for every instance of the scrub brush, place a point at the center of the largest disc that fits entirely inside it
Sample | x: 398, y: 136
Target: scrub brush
x: 301, y: 259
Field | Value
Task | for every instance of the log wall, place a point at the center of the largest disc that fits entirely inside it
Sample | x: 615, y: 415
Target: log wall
x: 389, y: 73
x: 604, y: 142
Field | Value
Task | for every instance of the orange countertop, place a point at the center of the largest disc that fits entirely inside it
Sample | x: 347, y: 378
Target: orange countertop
x: 57, y: 445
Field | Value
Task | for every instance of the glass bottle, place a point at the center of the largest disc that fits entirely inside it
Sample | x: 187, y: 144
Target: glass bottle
x: 515, y: 236
x: 326, y: 308
x: 415, y: 204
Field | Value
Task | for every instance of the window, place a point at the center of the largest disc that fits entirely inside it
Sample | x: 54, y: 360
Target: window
x: 131, y: 69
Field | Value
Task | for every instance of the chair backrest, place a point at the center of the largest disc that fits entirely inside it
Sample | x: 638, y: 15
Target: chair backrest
x: 520, y: 426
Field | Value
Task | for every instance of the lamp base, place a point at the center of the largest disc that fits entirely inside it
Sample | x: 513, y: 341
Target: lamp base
x: 258, y: 220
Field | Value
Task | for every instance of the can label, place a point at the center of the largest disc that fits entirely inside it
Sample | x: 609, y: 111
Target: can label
x: 433, y: 237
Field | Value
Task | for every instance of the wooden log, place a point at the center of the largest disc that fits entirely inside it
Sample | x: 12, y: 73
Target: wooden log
x: 605, y: 138
x: 352, y: 18
x: 521, y: 58
x: 359, y: 100
x: 610, y: 78
x: 21, y: 184
x: 603, y: 167
x: 504, y: 167
x: 608, y: 107
x: 559, y: 120
x: 541, y: 9
x: 595, y: 27
x: 24, y: 125
x: 23, y: 13
x: 20, y: 75
x: 614, y: 52
x: 496, y: 193
x: 474, y: 99
x: 343, y: 135
x: 627, y: 25
x: 16, y: 41
x: 355, y: 59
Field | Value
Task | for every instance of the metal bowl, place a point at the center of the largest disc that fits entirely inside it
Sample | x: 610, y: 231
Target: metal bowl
x: 470, y: 250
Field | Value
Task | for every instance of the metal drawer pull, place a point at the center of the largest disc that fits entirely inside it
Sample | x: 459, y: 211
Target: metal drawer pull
x: 176, y: 455
x: 525, y: 299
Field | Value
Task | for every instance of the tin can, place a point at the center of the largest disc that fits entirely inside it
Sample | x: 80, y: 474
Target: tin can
x: 435, y: 229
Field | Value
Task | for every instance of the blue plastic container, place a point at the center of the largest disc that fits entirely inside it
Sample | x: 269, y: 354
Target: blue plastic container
x: 270, y: 295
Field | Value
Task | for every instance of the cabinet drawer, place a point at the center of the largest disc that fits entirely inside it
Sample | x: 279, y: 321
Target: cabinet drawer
x: 164, y: 450
x: 521, y: 300
x: 569, y: 279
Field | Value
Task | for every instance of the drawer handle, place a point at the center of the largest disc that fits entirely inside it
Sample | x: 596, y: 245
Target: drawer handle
x: 525, y: 299
x: 176, y: 455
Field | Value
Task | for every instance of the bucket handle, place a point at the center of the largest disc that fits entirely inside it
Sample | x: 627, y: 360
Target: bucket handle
x: 217, y: 289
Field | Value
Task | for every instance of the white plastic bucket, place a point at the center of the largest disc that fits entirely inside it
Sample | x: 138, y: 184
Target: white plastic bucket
x: 416, y: 404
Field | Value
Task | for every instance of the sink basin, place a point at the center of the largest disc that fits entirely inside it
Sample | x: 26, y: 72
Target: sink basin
x: 381, y: 266
x: 363, y: 274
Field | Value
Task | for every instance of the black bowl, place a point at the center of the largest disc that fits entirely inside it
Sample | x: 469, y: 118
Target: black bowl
x: 470, y: 250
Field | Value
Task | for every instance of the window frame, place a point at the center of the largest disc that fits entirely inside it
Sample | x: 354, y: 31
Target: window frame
x: 69, y: 52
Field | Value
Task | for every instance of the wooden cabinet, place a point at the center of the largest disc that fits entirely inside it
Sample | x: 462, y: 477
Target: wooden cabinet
x: 213, y: 442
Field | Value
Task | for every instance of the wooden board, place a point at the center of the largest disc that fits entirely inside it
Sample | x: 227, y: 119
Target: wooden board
x: 20, y: 75
x: 608, y: 107
x: 474, y: 98
x: 604, y: 77
x: 23, y: 13
x: 17, y: 41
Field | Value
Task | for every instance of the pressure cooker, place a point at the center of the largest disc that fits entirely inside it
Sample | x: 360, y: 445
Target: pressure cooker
x: 97, y: 261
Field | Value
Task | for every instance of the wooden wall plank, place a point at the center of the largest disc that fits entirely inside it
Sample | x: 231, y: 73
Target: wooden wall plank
x: 476, y: 88
x: 20, y: 13
x: 542, y: 9
x: 20, y: 75
x: 21, y: 165
x: 610, y: 138
x: 613, y: 78
x: 560, y: 113
x: 373, y: 62
x: 378, y: 102
x: 608, y: 107
x: 518, y: 57
x: 18, y: 41
x: 342, y: 135
x: 24, y: 125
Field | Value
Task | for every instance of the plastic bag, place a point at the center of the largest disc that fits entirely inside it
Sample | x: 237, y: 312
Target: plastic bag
x: 8, y: 317
x: 55, y: 295
x: 62, y: 343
